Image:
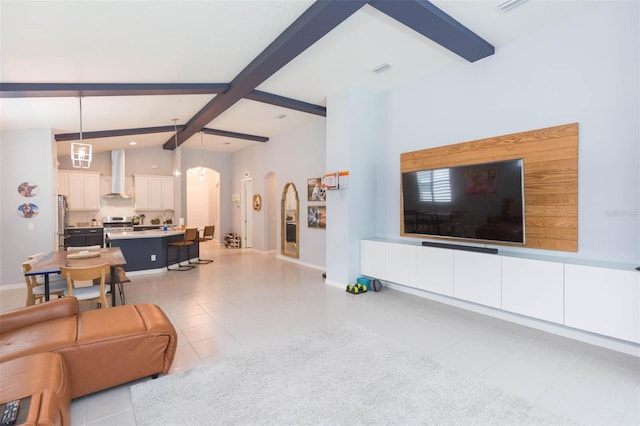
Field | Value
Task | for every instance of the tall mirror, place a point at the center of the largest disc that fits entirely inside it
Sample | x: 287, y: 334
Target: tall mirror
x: 290, y: 220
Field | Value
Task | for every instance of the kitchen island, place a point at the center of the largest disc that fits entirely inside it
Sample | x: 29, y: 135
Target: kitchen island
x: 147, y: 250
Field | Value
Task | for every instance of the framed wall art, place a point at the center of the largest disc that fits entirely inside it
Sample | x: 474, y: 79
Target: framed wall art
x: 317, y: 217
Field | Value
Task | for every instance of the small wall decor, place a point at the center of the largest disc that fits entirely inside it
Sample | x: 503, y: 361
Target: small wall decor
x: 316, y: 190
x: 317, y: 217
x: 257, y: 202
x: 27, y: 210
x: 27, y: 189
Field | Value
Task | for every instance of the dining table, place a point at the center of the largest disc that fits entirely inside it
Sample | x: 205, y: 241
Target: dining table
x: 52, y: 262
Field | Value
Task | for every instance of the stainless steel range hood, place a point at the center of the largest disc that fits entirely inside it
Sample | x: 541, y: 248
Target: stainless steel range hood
x: 117, y: 175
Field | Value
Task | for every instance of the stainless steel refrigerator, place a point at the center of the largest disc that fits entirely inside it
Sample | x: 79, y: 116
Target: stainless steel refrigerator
x: 63, y: 220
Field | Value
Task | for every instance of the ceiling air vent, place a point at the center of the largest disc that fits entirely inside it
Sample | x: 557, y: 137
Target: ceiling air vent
x: 380, y: 68
x: 507, y: 5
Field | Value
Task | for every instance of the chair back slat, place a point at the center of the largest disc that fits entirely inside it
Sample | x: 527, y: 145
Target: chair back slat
x: 90, y: 273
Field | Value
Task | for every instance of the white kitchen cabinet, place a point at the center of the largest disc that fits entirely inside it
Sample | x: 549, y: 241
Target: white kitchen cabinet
x: 477, y: 277
x: 153, y: 192
x: 63, y: 183
x: 602, y: 300
x: 82, y: 189
x: 533, y: 288
x: 373, y: 259
x: 434, y: 270
x: 401, y: 264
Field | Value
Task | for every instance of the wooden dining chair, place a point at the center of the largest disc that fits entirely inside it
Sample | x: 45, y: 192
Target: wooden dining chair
x: 93, y: 292
x: 206, y: 236
x: 35, y: 290
x: 120, y: 273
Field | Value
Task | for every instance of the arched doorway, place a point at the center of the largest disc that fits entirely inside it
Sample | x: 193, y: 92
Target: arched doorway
x: 203, y: 199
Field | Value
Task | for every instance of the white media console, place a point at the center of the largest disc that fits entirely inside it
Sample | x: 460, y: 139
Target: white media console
x: 593, y: 297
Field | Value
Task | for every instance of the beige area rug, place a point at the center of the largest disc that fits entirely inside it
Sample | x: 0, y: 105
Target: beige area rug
x: 342, y: 375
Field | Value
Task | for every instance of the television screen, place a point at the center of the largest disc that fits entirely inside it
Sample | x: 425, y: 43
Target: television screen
x: 479, y: 201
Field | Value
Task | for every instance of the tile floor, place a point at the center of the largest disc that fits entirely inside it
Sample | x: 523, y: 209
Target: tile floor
x: 246, y: 299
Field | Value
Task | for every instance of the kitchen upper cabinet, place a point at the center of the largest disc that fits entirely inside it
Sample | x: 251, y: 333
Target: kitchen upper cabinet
x: 153, y: 192
x: 82, y: 190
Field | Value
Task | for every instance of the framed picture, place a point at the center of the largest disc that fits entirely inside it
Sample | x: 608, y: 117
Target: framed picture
x: 316, y: 191
x: 317, y: 217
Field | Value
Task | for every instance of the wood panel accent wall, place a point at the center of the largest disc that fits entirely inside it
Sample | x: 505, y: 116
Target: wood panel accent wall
x: 550, y: 178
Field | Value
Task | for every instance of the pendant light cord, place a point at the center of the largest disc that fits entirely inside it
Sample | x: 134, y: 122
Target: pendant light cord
x: 80, y: 119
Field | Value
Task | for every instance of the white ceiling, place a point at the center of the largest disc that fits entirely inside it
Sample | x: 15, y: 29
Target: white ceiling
x: 211, y: 41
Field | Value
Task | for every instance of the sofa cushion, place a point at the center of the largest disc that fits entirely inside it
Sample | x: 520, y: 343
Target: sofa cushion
x: 46, y: 336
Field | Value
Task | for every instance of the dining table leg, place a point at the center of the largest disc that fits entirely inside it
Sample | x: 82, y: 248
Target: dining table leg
x: 112, y: 284
x: 46, y: 287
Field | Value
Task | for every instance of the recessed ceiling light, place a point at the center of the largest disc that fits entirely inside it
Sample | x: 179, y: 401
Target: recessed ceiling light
x: 133, y: 143
x: 507, y: 5
x: 381, y: 68
x: 281, y: 116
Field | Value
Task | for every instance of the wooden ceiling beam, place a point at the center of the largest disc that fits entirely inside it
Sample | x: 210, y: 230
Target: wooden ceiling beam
x: 311, y: 26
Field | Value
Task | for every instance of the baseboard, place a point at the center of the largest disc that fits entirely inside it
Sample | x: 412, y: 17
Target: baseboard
x: 335, y: 283
x: 292, y: 260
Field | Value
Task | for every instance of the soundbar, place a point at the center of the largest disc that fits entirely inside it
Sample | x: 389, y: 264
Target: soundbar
x: 459, y: 247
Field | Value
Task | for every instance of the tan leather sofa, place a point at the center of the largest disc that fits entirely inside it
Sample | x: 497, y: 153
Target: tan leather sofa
x: 100, y: 348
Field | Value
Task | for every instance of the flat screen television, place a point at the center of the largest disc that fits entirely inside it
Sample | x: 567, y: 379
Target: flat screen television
x: 483, y: 202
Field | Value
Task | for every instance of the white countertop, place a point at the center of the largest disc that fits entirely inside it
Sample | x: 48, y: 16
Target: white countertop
x: 130, y: 235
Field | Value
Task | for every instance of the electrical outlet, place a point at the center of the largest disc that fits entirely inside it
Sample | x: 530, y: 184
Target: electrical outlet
x: 153, y: 257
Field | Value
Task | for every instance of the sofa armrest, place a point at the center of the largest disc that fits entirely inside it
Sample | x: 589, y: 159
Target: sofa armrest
x: 23, y: 317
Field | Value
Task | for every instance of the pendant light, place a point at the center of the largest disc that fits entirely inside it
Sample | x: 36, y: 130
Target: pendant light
x: 176, y: 168
x: 81, y: 153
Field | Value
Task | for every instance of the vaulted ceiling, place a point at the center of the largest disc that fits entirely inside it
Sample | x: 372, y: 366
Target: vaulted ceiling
x: 240, y: 71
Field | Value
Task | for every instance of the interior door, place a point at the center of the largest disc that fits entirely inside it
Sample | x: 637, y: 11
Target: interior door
x: 246, y: 208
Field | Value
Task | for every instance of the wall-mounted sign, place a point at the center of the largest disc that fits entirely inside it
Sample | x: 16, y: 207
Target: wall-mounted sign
x: 27, y: 210
x: 27, y: 189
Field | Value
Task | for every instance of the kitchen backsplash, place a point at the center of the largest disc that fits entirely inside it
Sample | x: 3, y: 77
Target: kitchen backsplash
x: 111, y: 207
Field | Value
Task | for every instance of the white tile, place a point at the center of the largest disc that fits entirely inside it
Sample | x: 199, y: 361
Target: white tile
x: 108, y: 402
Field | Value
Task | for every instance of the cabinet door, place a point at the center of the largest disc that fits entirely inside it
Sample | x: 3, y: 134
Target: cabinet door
x: 141, y: 192
x: 477, y: 277
x: 76, y: 191
x: 604, y: 301
x: 401, y: 264
x: 167, y: 193
x: 94, y: 237
x: 434, y: 270
x: 91, y: 192
x: 76, y: 238
x: 373, y: 259
x: 155, y: 193
x: 63, y: 183
x: 533, y: 288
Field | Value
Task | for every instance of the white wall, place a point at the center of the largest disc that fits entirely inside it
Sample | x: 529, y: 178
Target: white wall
x: 25, y: 156
x: 353, y: 138
x: 293, y: 156
x: 585, y: 71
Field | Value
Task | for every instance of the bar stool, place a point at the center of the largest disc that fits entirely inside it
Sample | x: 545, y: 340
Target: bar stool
x: 189, y: 238
x: 207, y: 236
